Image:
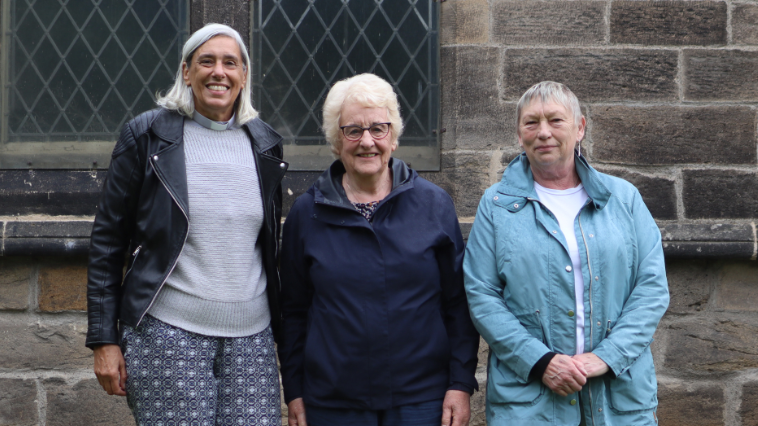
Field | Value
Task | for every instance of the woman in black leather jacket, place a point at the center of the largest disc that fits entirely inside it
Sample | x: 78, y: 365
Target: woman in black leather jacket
x: 192, y: 202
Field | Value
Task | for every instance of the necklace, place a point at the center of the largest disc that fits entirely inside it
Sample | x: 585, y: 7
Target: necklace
x: 356, y: 196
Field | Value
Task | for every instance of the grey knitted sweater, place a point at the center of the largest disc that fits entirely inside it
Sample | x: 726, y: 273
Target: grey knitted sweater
x: 218, y: 287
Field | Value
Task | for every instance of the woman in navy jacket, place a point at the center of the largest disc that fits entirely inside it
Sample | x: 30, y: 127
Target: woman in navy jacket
x: 375, y: 324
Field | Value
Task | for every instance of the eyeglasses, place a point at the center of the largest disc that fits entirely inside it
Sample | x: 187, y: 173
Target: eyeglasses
x: 355, y: 133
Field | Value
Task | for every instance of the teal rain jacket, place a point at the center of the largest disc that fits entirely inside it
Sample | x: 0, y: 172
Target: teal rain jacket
x: 521, y: 295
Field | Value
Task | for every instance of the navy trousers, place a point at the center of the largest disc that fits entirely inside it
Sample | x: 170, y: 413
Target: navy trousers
x: 422, y: 414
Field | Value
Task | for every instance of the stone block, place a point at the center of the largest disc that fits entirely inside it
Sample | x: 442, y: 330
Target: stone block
x: 690, y: 285
x: 473, y: 115
x: 63, y: 285
x: 749, y: 407
x: 673, y: 135
x: 41, y: 238
x: 15, y: 273
x: 50, y: 192
x: 720, y: 345
x: 18, y: 402
x: 464, y: 22
x: 464, y: 176
x: 679, y: 405
x: 659, y: 194
x: 707, y: 240
x: 43, y: 346
x: 548, y: 23
x: 738, y: 288
x: 677, y: 23
x: 594, y: 74
x: 713, y: 75
x: 84, y: 403
x: 745, y: 24
x: 728, y: 194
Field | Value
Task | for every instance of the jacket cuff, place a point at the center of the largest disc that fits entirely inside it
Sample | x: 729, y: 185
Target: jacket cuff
x: 539, y: 368
x: 616, y: 361
x: 461, y: 387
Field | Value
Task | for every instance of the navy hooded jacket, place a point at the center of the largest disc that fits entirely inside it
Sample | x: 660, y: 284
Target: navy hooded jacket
x: 374, y: 314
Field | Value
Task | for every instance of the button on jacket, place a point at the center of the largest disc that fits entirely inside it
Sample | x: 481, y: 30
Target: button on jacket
x: 142, y: 215
x: 375, y: 314
x: 521, y: 296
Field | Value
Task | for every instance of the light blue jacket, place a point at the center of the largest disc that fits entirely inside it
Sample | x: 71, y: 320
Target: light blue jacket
x: 521, y: 295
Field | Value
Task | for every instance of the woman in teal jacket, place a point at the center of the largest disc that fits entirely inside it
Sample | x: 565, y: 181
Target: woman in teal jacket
x: 565, y: 278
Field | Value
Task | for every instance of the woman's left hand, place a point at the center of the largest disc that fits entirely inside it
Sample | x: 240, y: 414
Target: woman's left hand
x: 456, y: 409
x: 592, y: 363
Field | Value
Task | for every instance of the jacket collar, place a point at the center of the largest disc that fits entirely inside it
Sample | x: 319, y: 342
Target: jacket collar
x: 169, y: 126
x: 518, y: 180
x: 328, y: 187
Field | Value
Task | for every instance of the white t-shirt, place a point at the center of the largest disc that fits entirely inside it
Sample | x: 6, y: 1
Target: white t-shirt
x: 565, y: 205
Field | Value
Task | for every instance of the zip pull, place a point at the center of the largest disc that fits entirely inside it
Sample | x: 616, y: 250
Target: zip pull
x: 136, y: 251
x: 608, y: 330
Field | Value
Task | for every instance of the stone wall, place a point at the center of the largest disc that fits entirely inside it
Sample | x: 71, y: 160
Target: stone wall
x: 670, y: 92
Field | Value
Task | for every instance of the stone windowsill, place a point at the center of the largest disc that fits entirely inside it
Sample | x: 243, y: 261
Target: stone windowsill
x: 38, y: 235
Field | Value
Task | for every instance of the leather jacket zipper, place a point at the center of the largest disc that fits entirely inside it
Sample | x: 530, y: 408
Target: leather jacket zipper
x: 186, y: 234
x: 134, y: 259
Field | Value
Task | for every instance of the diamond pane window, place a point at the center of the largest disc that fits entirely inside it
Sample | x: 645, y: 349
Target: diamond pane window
x: 301, y: 48
x: 74, y: 71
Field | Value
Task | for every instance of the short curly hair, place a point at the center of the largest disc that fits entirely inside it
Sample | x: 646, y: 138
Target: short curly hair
x: 368, y: 90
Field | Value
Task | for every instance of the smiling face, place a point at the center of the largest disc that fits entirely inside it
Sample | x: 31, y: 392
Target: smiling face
x: 548, y: 134
x: 216, y: 75
x: 366, y: 158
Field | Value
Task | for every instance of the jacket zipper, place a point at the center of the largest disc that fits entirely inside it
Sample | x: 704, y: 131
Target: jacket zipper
x: 134, y: 259
x: 589, y: 267
x: 180, y: 251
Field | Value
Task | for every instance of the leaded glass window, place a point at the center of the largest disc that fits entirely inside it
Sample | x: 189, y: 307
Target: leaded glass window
x: 74, y: 71
x: 301, y: 48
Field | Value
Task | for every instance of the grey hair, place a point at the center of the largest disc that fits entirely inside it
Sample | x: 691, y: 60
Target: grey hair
x: 368, y: 90
x: 548, y: 91
x: 179, y: 98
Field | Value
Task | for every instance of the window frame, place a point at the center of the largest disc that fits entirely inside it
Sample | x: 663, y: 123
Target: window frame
x: 319, y: 157
x: 67, y: 154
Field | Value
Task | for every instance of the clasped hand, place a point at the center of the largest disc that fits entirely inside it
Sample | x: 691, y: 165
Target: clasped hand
x: 566, y: 375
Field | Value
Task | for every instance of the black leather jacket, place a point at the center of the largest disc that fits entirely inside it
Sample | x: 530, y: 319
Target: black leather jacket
x: 142, y: 219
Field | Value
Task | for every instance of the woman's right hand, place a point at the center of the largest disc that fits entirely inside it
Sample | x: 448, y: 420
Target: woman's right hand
x: 564, y: 375
x: 110, y: 369
x: 296, y: 413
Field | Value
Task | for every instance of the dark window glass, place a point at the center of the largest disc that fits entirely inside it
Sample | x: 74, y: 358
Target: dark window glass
x: 77, y: 70
x: 301, y: 48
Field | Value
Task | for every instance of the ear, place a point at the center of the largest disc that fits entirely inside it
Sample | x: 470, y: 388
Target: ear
x: 185, y: 74
x: 580, y: 129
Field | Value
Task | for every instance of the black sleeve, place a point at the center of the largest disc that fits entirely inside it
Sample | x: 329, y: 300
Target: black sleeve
x: 110, y: 240
x: 539, y: 368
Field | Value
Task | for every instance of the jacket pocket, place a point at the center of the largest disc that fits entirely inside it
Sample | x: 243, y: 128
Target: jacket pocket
x: 134, y: 260
x: 635, y: 389
x: 503, y: 385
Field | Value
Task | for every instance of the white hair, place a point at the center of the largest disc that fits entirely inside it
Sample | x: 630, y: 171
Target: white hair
x: 547, y: 91
x: 367, y: 90
x: 180, y: 97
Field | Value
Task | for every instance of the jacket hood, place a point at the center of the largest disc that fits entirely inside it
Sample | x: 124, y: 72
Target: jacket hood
x: 328, y: 187
x: 169, y: 126
x: 518, y: 180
